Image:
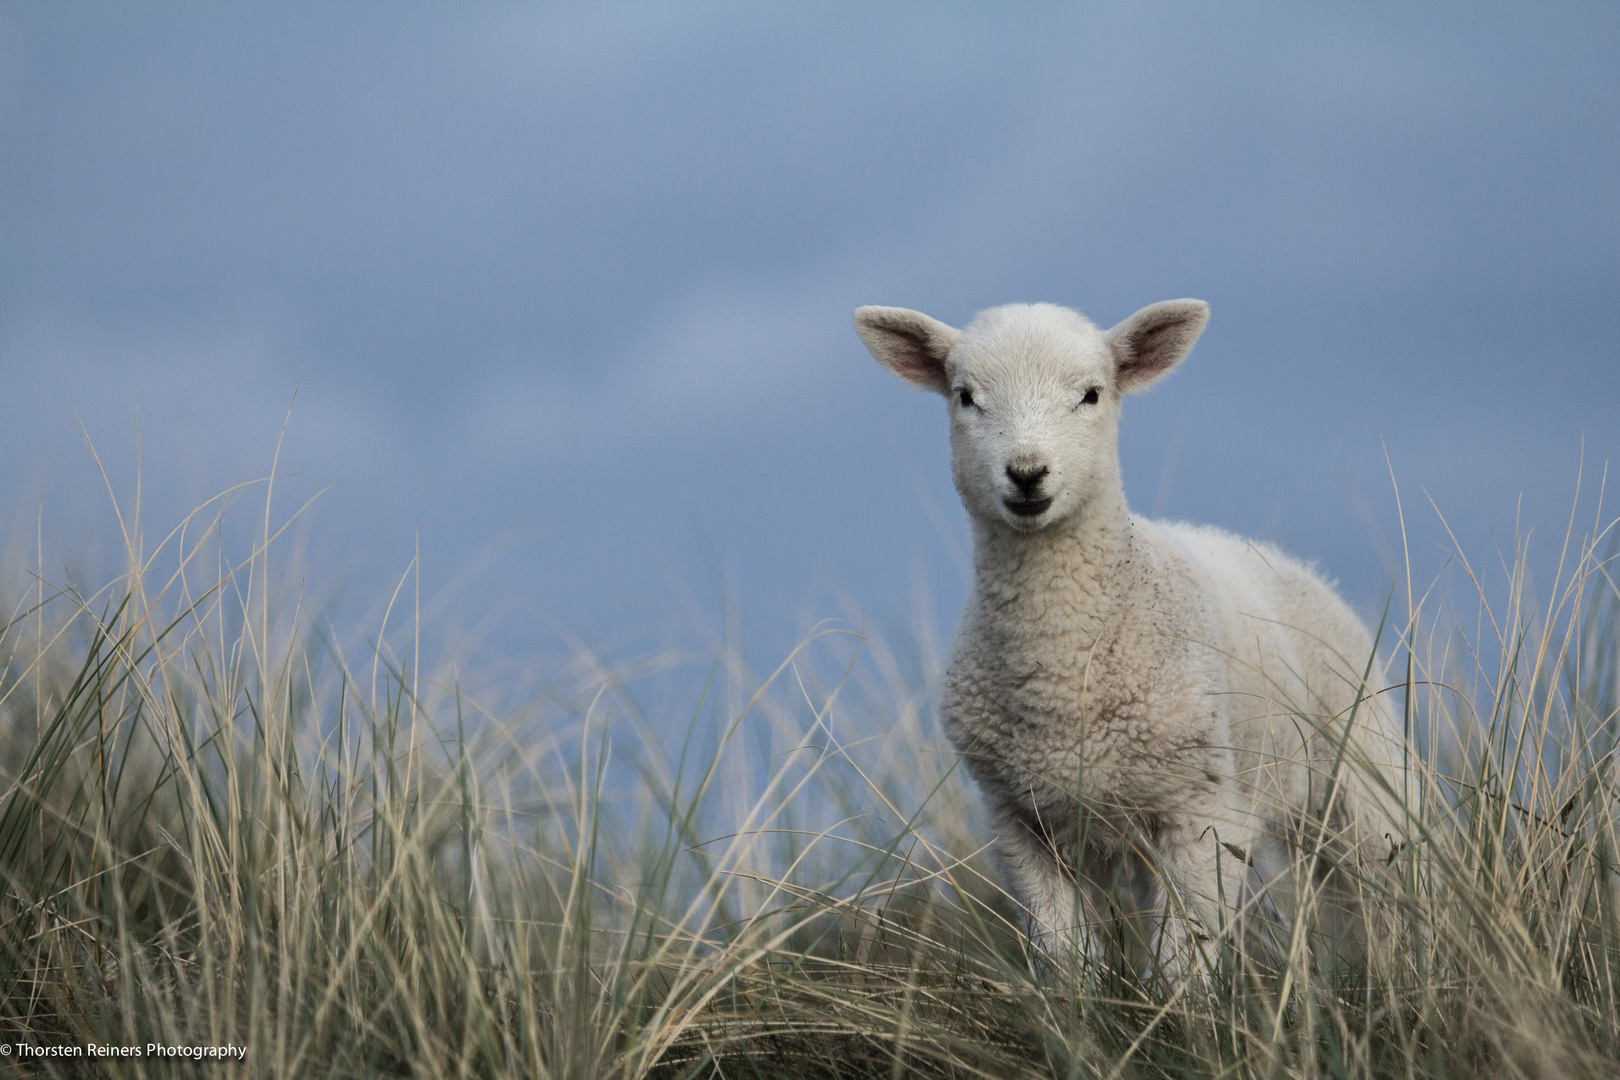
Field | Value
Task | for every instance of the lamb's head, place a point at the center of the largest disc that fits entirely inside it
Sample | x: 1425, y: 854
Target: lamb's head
x: 1034, y: 394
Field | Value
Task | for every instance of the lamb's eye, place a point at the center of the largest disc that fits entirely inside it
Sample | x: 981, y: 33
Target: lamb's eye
x: 1090, y: 398
x: 964, y: 398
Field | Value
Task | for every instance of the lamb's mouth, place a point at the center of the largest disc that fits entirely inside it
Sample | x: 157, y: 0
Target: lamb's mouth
x: 1027, y: 507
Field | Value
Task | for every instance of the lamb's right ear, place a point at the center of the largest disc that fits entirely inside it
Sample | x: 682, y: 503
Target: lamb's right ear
x: 1155, y: 339
x: 908, y: 343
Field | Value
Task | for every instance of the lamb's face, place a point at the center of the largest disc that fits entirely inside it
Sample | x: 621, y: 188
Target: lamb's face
x: 1034, y: 407
x: 1034, y: 394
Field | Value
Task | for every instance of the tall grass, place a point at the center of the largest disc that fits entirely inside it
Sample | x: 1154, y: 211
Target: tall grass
x: 222, y: 822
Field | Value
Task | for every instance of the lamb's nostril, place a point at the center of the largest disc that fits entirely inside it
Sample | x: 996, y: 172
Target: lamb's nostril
x: 1028, y: 480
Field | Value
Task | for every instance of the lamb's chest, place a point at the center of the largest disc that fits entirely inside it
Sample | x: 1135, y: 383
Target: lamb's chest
x: 1036, y: 718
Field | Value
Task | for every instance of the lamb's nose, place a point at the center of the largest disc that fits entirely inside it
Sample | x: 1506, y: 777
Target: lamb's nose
x: 1028, y: 479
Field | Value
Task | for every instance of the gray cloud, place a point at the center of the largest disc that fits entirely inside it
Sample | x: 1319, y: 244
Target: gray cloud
x: 580, y: 274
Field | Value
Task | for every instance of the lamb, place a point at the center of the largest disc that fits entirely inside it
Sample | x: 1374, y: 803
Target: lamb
x: 1169, y: 725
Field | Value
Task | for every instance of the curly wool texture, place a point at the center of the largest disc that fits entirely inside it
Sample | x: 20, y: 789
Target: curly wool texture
x: 1150, y: 709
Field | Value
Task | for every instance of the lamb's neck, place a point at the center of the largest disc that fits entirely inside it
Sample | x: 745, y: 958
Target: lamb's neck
x: 1074, y: 571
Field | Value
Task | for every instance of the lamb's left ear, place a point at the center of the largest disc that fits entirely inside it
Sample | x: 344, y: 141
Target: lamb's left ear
x: 1156, y: 339
x: 908, y: 343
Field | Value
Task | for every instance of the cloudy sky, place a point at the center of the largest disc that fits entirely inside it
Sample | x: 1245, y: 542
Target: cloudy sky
x: 564, y: 291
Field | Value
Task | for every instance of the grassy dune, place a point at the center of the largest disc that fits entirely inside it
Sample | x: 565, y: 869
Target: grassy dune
x: 223, y: 822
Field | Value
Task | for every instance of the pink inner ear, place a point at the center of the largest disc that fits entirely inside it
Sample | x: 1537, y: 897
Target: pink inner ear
x: 1152, y: 350
x: 920, y: 367
x: 908, y: 343
x: 909, y: 356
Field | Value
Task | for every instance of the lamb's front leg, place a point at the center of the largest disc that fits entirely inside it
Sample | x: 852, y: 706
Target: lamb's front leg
x: 1197, y: 884
x: 1059, y: 924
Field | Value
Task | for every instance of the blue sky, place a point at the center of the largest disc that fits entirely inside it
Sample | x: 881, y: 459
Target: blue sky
x: 565, y: 291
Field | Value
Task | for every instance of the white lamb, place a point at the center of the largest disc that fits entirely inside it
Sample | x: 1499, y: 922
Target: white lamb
x: 1150, y: 709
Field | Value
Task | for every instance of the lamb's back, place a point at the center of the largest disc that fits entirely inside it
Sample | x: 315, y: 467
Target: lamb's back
x: 1280, y: 615
x: 1298, y: 658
